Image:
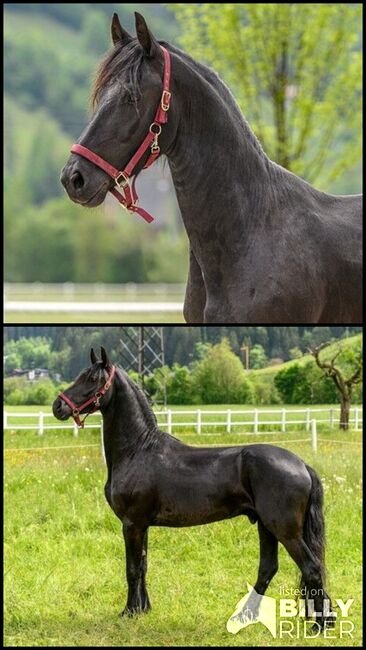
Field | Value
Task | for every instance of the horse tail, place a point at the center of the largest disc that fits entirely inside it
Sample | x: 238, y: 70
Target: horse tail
x: 314, y: 527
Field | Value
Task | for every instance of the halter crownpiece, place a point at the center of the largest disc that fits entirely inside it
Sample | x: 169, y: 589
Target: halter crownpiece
x: 123, y: 178
x: 76, y: 410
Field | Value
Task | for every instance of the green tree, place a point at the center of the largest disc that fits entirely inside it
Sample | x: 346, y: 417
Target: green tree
x: 296, y: 72
x: 295, y: 353
x: 257, y: 357
x: 219, y: 378
x: 293, y: 385
x: 345, y: 375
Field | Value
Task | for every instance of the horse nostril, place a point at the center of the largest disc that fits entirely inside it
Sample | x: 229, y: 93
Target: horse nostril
x: 77, y: 180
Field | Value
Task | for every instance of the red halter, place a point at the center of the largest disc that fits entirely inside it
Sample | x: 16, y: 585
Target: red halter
x: 122, y: 178
x: 76, y: 410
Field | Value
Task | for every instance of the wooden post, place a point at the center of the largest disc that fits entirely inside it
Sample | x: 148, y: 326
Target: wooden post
x: 199, y: 421
x: 228, y: 421
x: 283, y: 421
x: 169, y: 420
x: 255, y: 420
x: 40, y: 423
x: 102, y: 441
x: 307, y: 419
x: 314, y: 441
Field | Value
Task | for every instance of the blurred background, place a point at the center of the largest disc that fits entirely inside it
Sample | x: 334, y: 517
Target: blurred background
x: 295, y: 70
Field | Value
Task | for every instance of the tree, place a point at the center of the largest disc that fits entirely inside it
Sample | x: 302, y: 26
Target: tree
x: 257, y: 357
x: 219, y: 378
x: 296, y: 72
x: 353, y: 367
x: 293, y: 385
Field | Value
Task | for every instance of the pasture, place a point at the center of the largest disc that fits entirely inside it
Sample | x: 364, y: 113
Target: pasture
x: 64, y: 555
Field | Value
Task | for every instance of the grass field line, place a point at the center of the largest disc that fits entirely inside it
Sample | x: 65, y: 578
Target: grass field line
x: 97, y: 445
x: 48, y: 448
x: 342, y: 442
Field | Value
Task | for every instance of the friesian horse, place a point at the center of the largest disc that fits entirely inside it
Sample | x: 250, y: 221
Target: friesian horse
x: 154, y: 479
x: 265, y: 246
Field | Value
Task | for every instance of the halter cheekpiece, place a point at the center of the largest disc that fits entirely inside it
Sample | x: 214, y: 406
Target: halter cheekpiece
x: 125, y: 179
x: 76, y: 410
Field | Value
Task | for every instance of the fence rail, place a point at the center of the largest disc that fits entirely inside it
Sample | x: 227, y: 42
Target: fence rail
x: 229, y: 421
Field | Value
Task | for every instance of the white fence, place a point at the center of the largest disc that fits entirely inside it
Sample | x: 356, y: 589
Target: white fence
x: 201, y: 422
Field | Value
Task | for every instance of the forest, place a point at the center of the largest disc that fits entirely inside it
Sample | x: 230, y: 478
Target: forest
x: 72, y: 344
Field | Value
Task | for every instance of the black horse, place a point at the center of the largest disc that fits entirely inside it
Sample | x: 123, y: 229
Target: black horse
x: 156, y: 480
x: 265, y: 246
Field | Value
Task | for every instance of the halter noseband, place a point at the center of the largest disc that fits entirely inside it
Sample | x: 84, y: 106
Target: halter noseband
x: 76, y: 410
x: 122, y: 178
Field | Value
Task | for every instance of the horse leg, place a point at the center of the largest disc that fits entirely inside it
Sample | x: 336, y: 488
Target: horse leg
x: 268, y: 561
x: 143, y: 591
x: 268, y: 567
x: 312, y: 578
x: 136, y: 564
x: 195, y: 298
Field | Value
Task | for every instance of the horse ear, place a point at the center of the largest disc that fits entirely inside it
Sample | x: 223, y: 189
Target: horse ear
x: 93, y: 357
x: 119, y: 35
x: 144, y: 35
x: 105, y: 359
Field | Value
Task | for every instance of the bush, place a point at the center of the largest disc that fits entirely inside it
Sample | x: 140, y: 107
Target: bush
x: 219, y: 378
x: 293, y: 385
x: 18, y: 391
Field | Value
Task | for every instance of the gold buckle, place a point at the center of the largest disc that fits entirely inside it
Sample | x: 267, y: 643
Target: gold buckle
x: 165, y: 100
x: 125, y: 180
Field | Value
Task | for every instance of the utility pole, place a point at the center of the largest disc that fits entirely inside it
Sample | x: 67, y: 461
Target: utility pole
x: 142, y: 350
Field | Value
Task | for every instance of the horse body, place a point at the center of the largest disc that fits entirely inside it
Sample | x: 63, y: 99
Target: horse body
x: 170, y: 490
x: 156, y: 480
x: 265, y: 245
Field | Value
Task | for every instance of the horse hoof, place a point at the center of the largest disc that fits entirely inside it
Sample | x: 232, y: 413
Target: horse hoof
x: 134, y: 611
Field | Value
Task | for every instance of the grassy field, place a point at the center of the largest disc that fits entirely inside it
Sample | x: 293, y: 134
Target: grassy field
x: 64, y: 557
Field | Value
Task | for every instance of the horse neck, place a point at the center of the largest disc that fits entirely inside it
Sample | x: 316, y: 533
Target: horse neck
x: 128, y: 421
x: 219, y: 169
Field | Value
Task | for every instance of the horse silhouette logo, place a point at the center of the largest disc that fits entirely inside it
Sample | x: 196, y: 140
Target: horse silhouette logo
x: 253, y: 608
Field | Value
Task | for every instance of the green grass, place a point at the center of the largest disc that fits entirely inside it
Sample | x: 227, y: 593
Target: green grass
x: 64, y: 557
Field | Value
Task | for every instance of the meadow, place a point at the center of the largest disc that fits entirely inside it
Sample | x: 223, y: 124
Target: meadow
x: 64, y: 555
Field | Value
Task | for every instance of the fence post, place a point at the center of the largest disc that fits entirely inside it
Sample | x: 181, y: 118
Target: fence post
x: 76, y: 430
x: 40, y: 423
x: 356, y: 418
x: 169, y: 420
x: 283, y: 421
x: 307, y: 419
x: 199, y: 421
x: 331, y: 418
x: 102, y: 440
x: 255, y: 420
x: 228, y: 421
x: 5, y: 420
x: 314, y: 441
